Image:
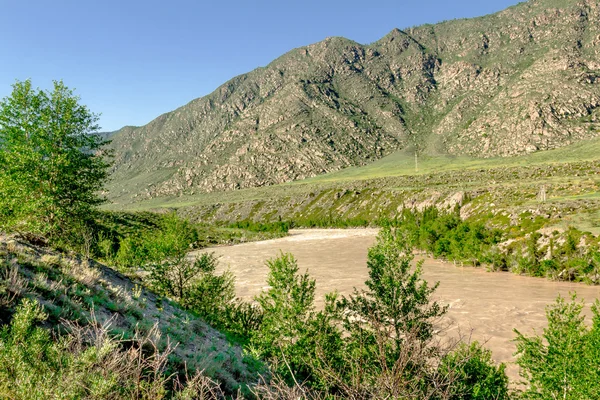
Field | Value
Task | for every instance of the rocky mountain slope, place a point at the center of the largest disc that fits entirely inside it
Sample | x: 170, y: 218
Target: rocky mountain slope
x: 519, y: 81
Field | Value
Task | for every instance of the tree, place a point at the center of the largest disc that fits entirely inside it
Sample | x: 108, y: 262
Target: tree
x: 390, y: 325
x: 564, y: 361
x: 397, y: 295
x: 51, y: 163
x: 288, y: 310
x: 172, y: 272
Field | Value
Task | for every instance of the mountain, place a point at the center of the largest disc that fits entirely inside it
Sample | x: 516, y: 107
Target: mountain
x: 519, y: 81
x: 106, y: 135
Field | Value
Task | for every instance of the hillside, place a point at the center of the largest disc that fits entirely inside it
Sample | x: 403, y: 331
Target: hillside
x: 522, y: 80
x: 77, y: 292
x: 501, y: 192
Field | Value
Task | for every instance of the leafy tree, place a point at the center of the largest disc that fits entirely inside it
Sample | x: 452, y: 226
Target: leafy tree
x: 389, y: 325
x: 171, y: 272
x: 174, y: 238
x: 563, y: 362
x: 51, y: 163
x: 288, y: 309
x: 192, y: 282
x: 209, y: 294
x: 397, y: 295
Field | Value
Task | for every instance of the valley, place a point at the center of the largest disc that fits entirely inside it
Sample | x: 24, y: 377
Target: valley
x: 412, y: 218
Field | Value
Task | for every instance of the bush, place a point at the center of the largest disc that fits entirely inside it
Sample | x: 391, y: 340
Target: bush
x: 446, y: 235
x: 242, y: 318
x: 564, y: 361
x: 474, y: 374
x: 387, y: 330
x: 276, y: 227
x: 287, y: 308
x: 209, y: 294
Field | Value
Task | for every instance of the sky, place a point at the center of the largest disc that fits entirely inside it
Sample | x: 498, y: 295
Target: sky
x: 132, y: 60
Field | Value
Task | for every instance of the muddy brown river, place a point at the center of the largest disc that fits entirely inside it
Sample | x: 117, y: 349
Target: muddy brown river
x: 485, y: 305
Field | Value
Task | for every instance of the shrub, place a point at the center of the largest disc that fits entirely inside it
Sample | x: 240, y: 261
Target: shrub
x: 287, y: 308
x: 387, y: 329
x: 210, y: 294
x: 474, y: 374
x: 562, y: 362
x: 242, y: 318
x: 132, y: 253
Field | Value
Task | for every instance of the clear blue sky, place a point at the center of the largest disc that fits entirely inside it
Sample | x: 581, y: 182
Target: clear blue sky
x: 132, y: 60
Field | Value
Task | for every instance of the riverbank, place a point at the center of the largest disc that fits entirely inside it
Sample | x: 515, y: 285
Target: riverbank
x: 483, y: 305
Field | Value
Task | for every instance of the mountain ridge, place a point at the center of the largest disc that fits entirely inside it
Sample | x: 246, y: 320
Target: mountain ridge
x: 521, y: 80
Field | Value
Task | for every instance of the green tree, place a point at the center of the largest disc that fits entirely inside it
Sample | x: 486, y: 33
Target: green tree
x: 288, y: 309
x: 397, y: 295
x: 563, y: 362
x: 387, y: 330
x: 172, y: 273
x: 51, y: 163
x: 192, y: 282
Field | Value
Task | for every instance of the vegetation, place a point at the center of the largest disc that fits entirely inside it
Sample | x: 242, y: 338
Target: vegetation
x: 477, y: 378
x: 377, y: 343
x: 277, y: 227
x: 51, y: 166
x: 447, y: 235
x: 88, y: 362
x: 86, y: 295
x: 70, y: 327
x: 564, y: 361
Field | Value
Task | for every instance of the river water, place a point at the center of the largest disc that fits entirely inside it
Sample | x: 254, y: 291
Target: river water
x: 485, y: 306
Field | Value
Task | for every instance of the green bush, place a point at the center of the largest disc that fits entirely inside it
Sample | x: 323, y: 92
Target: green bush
x: 279, y: 226
x: 446, y: 235
x: 474, y: 374
x: 564, y: 362
x: 209, y: 294
x: 132, y: 253
x: 287, y: 308
x: 386, y: 330
x: 242, y: 318
x: 377, y: 343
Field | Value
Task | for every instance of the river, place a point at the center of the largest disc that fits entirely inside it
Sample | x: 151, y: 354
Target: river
x: 486, y: 306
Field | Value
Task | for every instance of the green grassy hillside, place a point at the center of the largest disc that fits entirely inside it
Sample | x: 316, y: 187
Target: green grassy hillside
x: 403, y: 163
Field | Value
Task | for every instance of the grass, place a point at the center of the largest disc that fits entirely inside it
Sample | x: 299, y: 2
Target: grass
x: 71, y: 290
x: 396, y: 165
x: 494, y: 186
x: 403, y: 163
